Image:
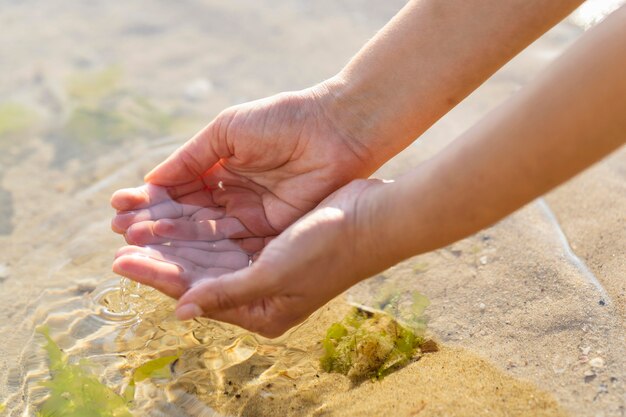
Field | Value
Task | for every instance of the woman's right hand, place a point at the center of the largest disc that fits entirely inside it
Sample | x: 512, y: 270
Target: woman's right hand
x: 314, y: 260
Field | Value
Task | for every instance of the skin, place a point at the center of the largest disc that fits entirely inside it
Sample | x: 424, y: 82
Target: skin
x: 278, y: 158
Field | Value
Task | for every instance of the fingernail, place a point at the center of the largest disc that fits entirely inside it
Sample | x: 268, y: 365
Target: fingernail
x: 188, y: 311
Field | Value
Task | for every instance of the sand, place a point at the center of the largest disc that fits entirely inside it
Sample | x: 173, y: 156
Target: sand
x: 450, y: 382
x: 519, y: 322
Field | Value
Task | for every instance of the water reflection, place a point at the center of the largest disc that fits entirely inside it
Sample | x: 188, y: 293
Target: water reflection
x: 592, y: 12
x: 96, y: 111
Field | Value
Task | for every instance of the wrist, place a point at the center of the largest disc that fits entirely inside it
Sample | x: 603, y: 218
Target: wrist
x: 354, y: 109
x: 376, y: 245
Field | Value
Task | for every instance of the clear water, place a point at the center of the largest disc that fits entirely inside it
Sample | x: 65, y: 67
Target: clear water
x: 94, y: 94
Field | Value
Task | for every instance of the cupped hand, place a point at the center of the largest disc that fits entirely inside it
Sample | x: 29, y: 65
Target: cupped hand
x: 262, y: 164
x: 315, y: 259
x: 226, y: 193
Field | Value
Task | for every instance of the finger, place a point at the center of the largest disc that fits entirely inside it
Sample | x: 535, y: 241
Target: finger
x: 167, y: 230
x: 143, y: 233
x: 189, y: 258
x: 167, y: 209
x: 256, y: 318
x: 211, y: 296
x: 247, y: 245
x: 208, y: 230
x: 186, y: 265
x: 167, y: 277
x: 163, y: 276
x: 191, y: 160
x: 139, y: 197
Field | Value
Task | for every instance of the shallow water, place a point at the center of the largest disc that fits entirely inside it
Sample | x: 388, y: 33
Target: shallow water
x: 99, y: 93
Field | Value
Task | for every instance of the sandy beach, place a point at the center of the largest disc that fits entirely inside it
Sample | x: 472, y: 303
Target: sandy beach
x: 529, y: 314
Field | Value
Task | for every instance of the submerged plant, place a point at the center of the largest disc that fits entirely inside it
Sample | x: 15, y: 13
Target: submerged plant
x: 102, y: 110
x: 14, y: 118
x: 158, y: 368
x: 405, y: 306
x: 366, y: 344
x: 76, y: 392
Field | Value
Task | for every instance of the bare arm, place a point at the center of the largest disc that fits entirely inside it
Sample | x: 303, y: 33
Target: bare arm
x: 425, y: 61
x: 567, y: 119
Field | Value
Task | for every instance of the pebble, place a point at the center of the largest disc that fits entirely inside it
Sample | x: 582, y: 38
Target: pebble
x: 483, y: 260
x: 596, y: 362
x: 198, y: 89
x: 4, y: 271
x: 482, y: 307
x: 589, y: 376
x: 585, y: 350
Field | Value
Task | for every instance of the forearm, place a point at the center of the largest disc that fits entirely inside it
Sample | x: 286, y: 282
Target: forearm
x: 567, y: 119
x: 426, y: 60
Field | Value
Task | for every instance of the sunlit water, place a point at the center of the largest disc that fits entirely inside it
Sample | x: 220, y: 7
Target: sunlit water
x: 100, y: 93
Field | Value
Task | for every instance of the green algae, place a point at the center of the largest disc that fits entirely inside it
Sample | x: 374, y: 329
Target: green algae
x: 369, y: 345
x: 74, y: 390
x: 85, y: 125
x: 155, y: 368
x: 102, y: 110
x: 159, y: 368
x: 419, y: 267
x: 14, y: 118
x: 407, y: 307
x: 94, y: 86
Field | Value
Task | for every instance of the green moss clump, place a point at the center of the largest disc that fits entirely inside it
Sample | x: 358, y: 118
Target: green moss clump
x: 366, y: 344
x: 74, y: 391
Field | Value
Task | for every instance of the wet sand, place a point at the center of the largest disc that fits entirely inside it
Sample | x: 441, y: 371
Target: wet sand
x: 519, y: 322
x: 450, y: 382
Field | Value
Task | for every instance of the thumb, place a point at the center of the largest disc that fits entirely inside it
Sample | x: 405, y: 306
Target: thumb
x: 227, y: 292
x: 192, y: 160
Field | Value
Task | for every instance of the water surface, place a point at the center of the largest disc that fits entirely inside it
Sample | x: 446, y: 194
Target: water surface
x: 94, y: 94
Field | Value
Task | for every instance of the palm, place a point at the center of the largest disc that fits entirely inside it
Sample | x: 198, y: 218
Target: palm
x: 285, y: 158
x: 246, y: 177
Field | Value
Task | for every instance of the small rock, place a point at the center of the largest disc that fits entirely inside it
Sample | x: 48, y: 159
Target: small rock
x: 85, y: 287
x: 482, y: 307
x: 429, y: 346
x: 589, y: 377
x: 483, y: 260
x: 4, y: 272
x: 198, y: 89
x: 596, y: 362
x: 585, y: 350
